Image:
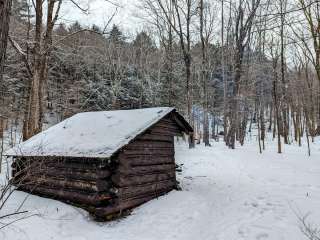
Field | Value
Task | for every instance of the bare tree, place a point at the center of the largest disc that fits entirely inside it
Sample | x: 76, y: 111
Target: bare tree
x: 206, y: 19
x: 245, y: 13
x: 275, y: 96
x: 179, y: 15
x: 41, y: 54
x: 285, y: 108
x: 311, y: 12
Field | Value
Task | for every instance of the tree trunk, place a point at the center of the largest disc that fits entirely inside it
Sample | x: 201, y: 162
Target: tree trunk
x: 189, y: 99
x: 33, y: 123
x: 262, y: 127
x: 204, y: 79
x: 42, y: 45
x: 285, y: 109
x: 5, y: 8
x: 234, y: 119
x: 276, y: 104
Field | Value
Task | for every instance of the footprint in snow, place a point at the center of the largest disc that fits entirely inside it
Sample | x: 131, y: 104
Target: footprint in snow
x: 262, y: 236
x: 254, y: 204
x: 188, y: 177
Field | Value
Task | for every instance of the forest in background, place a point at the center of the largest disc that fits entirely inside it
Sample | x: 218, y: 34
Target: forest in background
x: 227, y: 63
x: 231, y: 67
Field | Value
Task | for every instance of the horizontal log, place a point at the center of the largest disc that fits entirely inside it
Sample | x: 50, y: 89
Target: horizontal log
x: 122, y: 180
x: 160, y: 191
x: 87, y: 186
x: 72, y: 173
x: 165, y: 133
x: 65, y: 195
x: 145, y: 169
x: 77, y: 160
x: 124, y: 205
x: 156, y: 137
x: 153, y: 152
x: 61, y: 162
x: 58, y: 159
x: 57, y: 165
x: 149, y: 144
x: 168, y: 126
x: 144, y: 160
x: 42, y: 180
x: 165, y: 130
x: 166, y: 118
x: 167, y: 121
x: 150, y: 188
x: 74, y: 165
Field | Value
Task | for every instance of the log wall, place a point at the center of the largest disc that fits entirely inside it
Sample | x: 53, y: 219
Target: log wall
x: 75, y: 180
x: 141, y: 171
x: 146, y: 168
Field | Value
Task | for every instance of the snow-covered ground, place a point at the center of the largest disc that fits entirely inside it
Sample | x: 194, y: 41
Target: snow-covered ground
x: 227, y: 195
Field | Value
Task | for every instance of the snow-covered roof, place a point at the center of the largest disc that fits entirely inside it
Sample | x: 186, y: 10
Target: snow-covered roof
x: 91, y: 134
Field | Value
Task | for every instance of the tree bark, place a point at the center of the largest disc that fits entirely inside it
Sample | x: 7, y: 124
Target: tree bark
x: 275, y: 102
x: 5, y: 8
x: 204, y: 78
x: 42, y: 44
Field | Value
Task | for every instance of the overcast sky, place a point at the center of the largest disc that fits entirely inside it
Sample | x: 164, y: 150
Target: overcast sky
x: 100, y: 12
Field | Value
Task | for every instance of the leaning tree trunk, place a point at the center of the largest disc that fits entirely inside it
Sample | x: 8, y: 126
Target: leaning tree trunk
x: 5, y: 7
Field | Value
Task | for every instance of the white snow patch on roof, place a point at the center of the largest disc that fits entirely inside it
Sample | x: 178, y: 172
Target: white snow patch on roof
x: 91, y: 134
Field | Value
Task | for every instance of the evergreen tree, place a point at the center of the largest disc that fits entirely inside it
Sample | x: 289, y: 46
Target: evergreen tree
x: 96, y: 28
x: 61, y: 30
x: 75, y: 27
x: 116, y: 36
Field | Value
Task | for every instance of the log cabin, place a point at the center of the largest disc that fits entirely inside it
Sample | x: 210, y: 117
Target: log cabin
x: 106, y: 162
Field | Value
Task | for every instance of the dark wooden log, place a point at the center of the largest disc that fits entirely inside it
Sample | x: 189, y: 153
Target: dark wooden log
x: 163, y: 133
x: 65, y: 195
x: 77, y: 166
x: 167, y: 121
x: 127, y: 169
x: 167, y: 126
x: 165, y: 130
x: 149, y: 144
x: 137, y: 190
x: 88, y: 186
x: 77, y: 160
x: 122, y: 180
x: 123, y: 205
x: 144, y: 160
x: 75, y: 174
x: 36, y: 162
x: 156, y: 137
x: 152, y: 152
